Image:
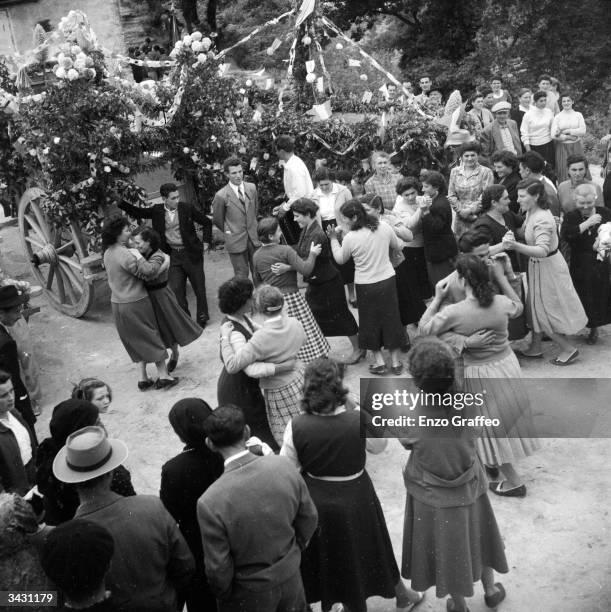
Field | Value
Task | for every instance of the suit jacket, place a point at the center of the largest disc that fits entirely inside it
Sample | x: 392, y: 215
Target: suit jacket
x: 9, y: 362
x: 14, y: 476
x: 187, y: 214
x: 492, y: 141
x: 255, y: 521
x: 236, y: 223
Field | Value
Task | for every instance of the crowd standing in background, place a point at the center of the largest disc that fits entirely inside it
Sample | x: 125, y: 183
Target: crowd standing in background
x: 270, y: 506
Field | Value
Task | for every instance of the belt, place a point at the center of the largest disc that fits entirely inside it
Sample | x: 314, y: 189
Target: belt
x: 552, y: 253
x: 548, y: 255
x: 337, y: 478
x: 158, y: 286
x: 176, y: 248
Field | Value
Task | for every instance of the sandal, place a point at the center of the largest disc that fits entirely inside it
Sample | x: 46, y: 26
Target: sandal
x: 494, y: 600
x: 496, y: 486
x: 570, y: 360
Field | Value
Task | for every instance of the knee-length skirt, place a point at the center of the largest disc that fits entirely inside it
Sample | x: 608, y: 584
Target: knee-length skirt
x: 175, y: 325
x: 328, y: 304
x: 350, y: 557
x: 138, y: 331
x: 316, y: 344
x: 553, y: 304
x: 379, y: 319
x: 506, y: 400
x: 283, y: 404
x: 449, y: 547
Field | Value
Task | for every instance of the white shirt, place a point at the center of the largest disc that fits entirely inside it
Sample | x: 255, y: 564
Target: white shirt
x: 536, y: 128
x: 326, y: 201
x: 297, y: 180
x: 170, y: 212
x: 236, y: 456
x: 22, y: 437
x: 239, y: 191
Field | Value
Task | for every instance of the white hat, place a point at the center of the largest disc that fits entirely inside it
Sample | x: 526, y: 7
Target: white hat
x: 500, y: 106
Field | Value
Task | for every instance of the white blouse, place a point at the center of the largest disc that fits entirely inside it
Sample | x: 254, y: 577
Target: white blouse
x: 536, y: 126
x: 569, y: 120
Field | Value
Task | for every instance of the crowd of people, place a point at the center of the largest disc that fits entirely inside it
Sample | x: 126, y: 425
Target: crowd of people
x: 270, y: 506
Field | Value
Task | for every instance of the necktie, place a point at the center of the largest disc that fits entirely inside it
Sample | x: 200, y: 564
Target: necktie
x: 241, y: 196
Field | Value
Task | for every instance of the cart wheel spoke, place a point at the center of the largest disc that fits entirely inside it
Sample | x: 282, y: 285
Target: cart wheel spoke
x: 31, y: 240
x: 34, y: 226
x: 70, y: 262
x: 72, y: 278
x: 50, y: 277
x: 63, y: 247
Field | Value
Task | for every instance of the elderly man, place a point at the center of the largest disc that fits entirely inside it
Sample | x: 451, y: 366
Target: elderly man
x: 384, y: 181
x: 577, y: 166
x: 589, y: 268
x: 502, y: 134
x: 151, y: 561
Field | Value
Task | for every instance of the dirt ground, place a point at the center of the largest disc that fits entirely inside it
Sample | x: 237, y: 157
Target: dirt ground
x: 557, y: 538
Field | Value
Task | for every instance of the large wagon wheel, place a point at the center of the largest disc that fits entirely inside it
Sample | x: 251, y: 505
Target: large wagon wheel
x: 58, y: 257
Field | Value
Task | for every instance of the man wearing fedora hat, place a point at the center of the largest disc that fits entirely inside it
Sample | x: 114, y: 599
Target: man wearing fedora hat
x: 502, y: 134
x: 11, y: 306
x: 151, y: 561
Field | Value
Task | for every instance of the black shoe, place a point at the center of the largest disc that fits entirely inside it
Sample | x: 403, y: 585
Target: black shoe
x: 492, y: 471
x: 203, y: 322
x: 494, y: 600
x: 145, y: 385
x: 497, y: 488
x: 165, y: 383
x: 172, y: 364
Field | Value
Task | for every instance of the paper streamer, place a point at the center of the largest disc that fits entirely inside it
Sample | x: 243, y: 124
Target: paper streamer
x: 376, y: 65
x: 310, y: 66
x: 354, y: 63
x: 254, y: 33
x: 306, y: 9
x: 321, y: 60
x: 320, y: 85
x: 325, y: 144
x: 289, y: 70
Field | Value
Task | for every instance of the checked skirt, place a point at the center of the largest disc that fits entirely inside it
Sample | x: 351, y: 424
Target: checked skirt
x: 316, y: 344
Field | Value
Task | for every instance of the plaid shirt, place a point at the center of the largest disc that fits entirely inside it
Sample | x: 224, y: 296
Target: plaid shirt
x: 384, y: 187
x: 466, y: 186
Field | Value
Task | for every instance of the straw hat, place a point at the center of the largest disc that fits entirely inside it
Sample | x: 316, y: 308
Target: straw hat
x: 458, y: 138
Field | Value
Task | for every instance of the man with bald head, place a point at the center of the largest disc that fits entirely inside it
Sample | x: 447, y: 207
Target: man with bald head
x: 584, y: 229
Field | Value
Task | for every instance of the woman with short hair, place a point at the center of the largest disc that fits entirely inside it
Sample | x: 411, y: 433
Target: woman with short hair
x: 278, y: 341
x: 450, y: 535
x: 568, y: 129
x: 131, y: 306
x: 524, y: 100
x: 536, y: 129
x: 95, y: 391
x: 554, y: 306
x: 326, y: 444
x: 325, y: 293
x: 369, y: 243
x: 507, y: 173
x: 466, y: 185
x: 440, y: 247
x: 277, y: 265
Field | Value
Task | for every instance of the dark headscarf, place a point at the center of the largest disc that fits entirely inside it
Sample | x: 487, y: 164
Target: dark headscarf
x: 187, y: 418
x: 70, y: 416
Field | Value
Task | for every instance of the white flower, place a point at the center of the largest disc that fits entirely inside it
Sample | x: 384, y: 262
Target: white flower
x: 242, y: 90
x: 248, y: 83
x: 72, y: 74
x: 60, y: 73
x: 196, y: 46
x: 75, y: 50
x: 306, y: 40
x: 363, y: 77
x: 90, y: 181
x: 201, y: 58
x: 89, y: 62
x: 80, y: 64
x: 56, y: 140
x: 269, y: 51
x: 91, y: 73
x: 106, y: 168
x: 81, y: 55
x: 178, y: 44
x: 60, y: 57
x: 106, y: 151
x: 45, y: 151
x: 32, y: 152
x: 265, y: 156
x: 339, y: 46
x: 311, y: 77
x: 207, y: 43
x: 186, y: 39
x: 196, y: 36
x: 66, y: 63
x: 186, y: 150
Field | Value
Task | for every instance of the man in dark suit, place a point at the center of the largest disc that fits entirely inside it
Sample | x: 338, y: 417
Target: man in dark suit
x: 502, y: 134
x: 234, y: 212
x: 173, y: 221
x: 11, y: 305
x: 255, y: 520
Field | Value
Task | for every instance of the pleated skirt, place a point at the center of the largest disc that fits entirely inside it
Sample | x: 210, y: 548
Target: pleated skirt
x: 553, y: 304
x: 138, y: 331
x: 449, y: 547
x: 316, y: 344
x: 350, y: 557
x: 506, y: 400
x: 175, y: 325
